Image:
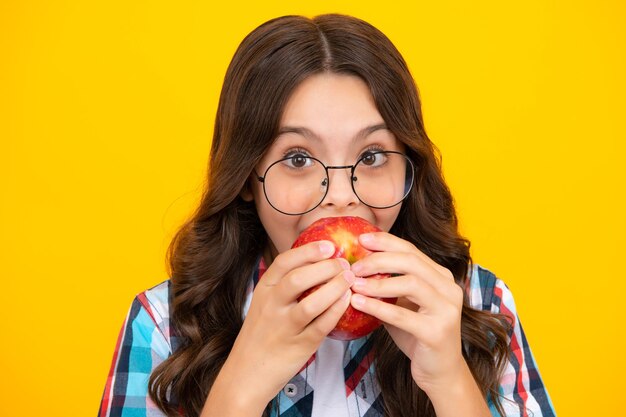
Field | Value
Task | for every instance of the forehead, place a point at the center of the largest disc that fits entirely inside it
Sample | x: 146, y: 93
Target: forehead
x: 333, y: 117
x: 333, y: 103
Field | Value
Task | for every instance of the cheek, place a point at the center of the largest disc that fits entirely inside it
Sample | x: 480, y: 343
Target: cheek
x: 282, y: 235
x: 387, y: 217
x: 282, y: 230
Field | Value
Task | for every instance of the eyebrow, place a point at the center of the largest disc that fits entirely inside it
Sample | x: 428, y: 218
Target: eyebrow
x: 309, y: 134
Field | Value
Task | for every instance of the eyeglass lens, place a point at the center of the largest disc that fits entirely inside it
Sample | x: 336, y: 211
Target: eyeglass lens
x: 298, y: 184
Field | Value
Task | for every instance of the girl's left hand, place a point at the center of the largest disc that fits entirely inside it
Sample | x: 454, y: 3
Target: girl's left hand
x: 425, y: 323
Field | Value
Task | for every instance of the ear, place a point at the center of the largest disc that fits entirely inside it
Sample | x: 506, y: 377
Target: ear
x: 246, y: 192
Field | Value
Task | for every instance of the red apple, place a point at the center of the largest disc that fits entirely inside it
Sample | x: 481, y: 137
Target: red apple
x: 344, y: 233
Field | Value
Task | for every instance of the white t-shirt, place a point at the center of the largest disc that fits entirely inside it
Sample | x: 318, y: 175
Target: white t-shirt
x: 329, y: 398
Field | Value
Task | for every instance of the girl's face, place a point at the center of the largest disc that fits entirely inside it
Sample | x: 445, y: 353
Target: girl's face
x: 332, y: 118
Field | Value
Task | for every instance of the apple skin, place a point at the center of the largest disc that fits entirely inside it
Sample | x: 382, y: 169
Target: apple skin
x: 344, y: 233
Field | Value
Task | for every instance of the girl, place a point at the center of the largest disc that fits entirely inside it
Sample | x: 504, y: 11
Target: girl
x: 325, y: 95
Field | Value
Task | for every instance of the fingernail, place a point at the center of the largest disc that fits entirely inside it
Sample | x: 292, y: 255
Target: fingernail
x: 358, y: 300
x: 366, y: 238
x: 327, y: 248
x: 357, y: 268
x: 344, y: 263
x: 348, y: 276
x: 346, y: 295
x: 359, y: 283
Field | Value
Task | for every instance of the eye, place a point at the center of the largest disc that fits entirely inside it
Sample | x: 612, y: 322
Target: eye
x: 298, y: 160
x: 373, y: 158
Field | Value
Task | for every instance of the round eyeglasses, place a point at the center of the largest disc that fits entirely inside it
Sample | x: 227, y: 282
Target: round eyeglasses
x: 299, y: 183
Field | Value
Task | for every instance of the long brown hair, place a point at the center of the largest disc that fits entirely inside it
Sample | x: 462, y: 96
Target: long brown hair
x: 214, y: 254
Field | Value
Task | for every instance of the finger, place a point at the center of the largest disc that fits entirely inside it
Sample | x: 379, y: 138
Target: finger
x: 293, y: 258
x: 323, y: 324
x: 386, y: 242
x: 402, y: 263
x: 382, y: 241
x: 396, y: 316
x: 322, y: 298
x: 305, y: 277
x: 412, y: 288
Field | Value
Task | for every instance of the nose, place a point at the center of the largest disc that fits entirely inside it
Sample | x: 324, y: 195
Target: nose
x: 340, y: 193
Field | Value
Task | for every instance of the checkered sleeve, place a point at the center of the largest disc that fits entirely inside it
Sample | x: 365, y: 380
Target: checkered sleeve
x: 522, y: 390
x: 143, y: 343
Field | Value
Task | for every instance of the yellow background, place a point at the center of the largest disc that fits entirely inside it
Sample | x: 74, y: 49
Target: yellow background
x: 106, y: 113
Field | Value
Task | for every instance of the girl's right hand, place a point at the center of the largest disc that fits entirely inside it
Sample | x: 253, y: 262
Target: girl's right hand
x: 279, y: 334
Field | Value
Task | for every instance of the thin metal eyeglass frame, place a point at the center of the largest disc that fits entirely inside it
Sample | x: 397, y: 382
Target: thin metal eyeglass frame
x: 352, y: 180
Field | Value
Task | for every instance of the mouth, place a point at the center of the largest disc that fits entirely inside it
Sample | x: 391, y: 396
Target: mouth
x: 332, y: 217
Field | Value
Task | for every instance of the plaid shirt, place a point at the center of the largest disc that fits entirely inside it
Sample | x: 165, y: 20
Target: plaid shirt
x: 145, y: 341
